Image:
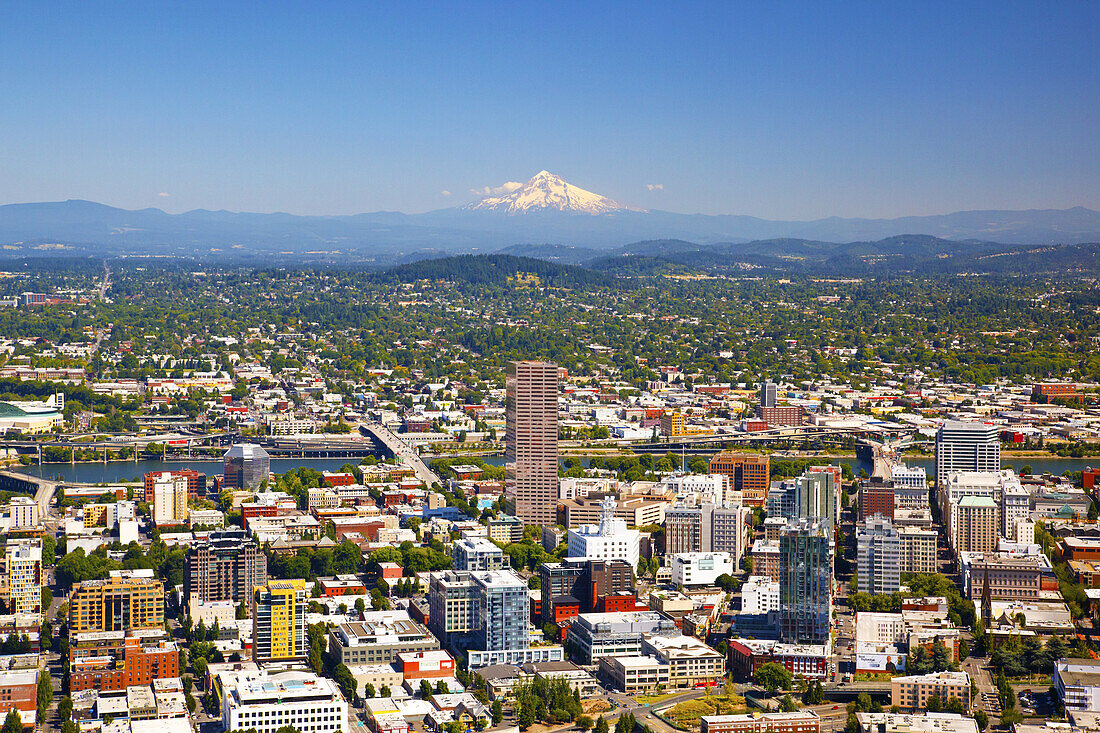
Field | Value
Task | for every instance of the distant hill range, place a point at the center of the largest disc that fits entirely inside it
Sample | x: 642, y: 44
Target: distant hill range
x: 545, y: 218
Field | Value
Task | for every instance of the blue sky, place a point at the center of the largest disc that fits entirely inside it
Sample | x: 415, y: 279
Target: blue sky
x: 792, y: 111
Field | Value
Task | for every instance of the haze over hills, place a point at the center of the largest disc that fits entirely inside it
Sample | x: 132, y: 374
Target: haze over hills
x: 546, y: 209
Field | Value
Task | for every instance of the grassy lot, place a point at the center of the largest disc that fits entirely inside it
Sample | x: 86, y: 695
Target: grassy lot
x: 654, y: 699
x: 689, y: 712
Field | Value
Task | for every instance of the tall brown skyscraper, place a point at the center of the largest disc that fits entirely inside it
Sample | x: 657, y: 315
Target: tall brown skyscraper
x: 532, y: 440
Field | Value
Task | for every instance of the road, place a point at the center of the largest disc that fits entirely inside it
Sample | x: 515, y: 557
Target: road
x: 403, y: 451
x: 987, y: 699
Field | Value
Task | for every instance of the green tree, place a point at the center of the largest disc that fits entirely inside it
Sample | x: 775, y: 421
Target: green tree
x: 772, y: 676
x: 981, y: 719
x: 955, y: 705
x: 45, y: 693
x: 342, y: 676
x: 497, y: 711
x: 935, y: 705
x: 12, y: 723
x: 65, y: 708
x: 369, y: 691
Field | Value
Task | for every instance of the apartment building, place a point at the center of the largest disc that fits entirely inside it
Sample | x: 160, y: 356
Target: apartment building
x: 127, y: 600
x: 135, y: 664
x: 878, y: 556
x: 22, y: 576
x: 918, y: 550
x: 477, y: 553
x: 227, y: 566
x: 912, y: 693
x: 279, y: 620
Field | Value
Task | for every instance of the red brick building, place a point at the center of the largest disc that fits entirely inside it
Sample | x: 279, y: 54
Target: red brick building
x: 19, y: 690
x: 747, y: 473
x: 876, y: 498
x: 196, y: 482
x: 338, y: 479
x: 138, y: 665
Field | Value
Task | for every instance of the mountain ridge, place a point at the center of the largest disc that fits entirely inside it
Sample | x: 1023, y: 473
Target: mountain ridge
x: 99, y: 229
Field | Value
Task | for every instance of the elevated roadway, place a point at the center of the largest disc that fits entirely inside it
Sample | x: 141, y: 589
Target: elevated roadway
x: 43, y: 489
x: 400, y: 449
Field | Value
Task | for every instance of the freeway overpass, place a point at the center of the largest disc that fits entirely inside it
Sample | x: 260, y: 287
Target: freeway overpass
x: 396, y: 447
x: 710, y: 443
x: 43, y: 489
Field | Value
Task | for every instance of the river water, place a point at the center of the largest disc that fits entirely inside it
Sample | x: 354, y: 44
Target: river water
x: 94, y: 473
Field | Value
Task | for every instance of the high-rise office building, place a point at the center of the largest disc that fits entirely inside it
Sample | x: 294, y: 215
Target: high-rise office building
x: 279, y: 620
x: 23, y: 576
x: 975, y: 525
x: 748, y: 473
x: 128, y: 600
x: 769, y: 393
x: 966, y: 446
x: 878, y: 556
x: 226, y: 566
x: 810, y: 496
x: 245, y: 466
x: 611, y: 539
x: 531, y: 441
x: 805, y: 581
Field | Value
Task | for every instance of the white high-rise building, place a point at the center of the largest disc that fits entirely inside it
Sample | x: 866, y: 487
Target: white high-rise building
x: 1015, y: 505
x: 170, y: 500
x: 966, y: 446
x: 910, y: 487
x: 878, y: 557
x: 759, y: 595
x: 608, y: 540
x: 23, y: 573
x: 23, y: 513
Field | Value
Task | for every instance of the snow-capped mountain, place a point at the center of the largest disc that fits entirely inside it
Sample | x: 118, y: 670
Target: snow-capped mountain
x: 547, y: 191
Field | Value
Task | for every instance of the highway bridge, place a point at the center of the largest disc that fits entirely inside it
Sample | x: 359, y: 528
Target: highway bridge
x: 43, y: 489
x: 788, y: 433
x: 394, y: 446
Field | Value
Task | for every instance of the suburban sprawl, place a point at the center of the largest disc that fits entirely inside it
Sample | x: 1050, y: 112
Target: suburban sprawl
x: 504, y: 494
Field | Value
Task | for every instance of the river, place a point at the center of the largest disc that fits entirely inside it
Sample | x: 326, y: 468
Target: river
x: 116, y: 471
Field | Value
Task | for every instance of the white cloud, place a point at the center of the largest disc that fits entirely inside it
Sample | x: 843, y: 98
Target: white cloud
x: 506, y: 187
x: 444, y: 192
x: 163, y: 195
x: 655, y: 186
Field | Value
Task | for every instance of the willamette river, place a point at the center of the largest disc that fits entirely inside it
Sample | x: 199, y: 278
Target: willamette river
x: 92, y: 473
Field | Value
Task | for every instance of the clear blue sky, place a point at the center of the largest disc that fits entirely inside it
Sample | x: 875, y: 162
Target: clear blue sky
x: 786, y: 111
